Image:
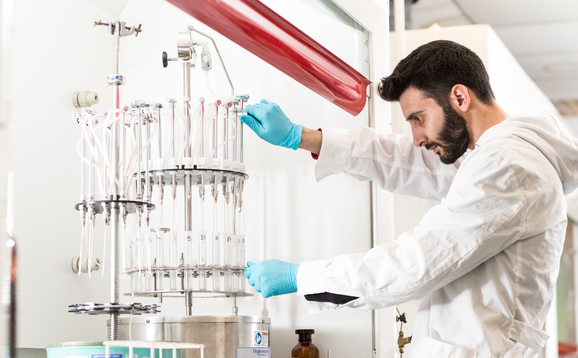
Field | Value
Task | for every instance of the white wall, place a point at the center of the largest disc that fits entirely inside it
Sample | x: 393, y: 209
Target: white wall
x: 288, y: 215
x: 55, y: 52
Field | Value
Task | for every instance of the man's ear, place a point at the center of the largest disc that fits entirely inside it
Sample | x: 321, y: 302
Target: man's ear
x: 460, y: 97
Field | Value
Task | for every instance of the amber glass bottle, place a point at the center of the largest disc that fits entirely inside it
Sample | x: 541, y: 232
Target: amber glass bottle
x: 305, y: 349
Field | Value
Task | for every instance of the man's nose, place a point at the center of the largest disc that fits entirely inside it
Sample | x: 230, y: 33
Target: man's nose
x: 419, y: 139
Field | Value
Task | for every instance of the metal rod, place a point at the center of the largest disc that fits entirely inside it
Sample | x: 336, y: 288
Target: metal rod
x: 159, y: 106
x: 236, y: 141
x: 139, y: 194
x: 202, y: 100
x: 123, y: 154
x: 91, y: 164
x: 226, y: 133
x: 82, y: 163
x: 189, y: 302
x: 148, y: 194
x: 188, y: 204
x: 115, y: 231
x: 188, y: 189
x: 216, y: 131
x: 186, y: 100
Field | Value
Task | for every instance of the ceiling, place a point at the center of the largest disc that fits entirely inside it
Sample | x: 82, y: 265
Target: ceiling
x: 542, y: 36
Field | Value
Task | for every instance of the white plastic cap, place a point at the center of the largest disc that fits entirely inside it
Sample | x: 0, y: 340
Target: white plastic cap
x: 172, y: 162
x: 201, y: 162
x: 84, y: 99
x: 188, y: 162
x: 158, y: 164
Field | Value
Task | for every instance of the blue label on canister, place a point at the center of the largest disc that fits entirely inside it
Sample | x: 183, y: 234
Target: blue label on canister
x: 102, y: 355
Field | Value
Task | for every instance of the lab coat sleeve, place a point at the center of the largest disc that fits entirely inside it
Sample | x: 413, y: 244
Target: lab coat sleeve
x: 390, y: 160
x: 484, y: 212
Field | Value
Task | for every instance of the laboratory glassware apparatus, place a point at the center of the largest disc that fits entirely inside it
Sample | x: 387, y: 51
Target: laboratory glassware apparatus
x: 146, y: 161
x: 192, y: 159
x: 105, y: 190
x: 201, y: 253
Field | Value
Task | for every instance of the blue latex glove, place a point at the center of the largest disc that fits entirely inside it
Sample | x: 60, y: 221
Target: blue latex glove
x: 271, y: 124
x: 272, y: 277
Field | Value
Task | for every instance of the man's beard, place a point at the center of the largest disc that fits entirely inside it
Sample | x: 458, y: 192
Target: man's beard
x: 454, y: 138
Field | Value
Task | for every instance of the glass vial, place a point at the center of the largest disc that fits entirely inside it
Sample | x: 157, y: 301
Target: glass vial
x: 189, y: 261
x: 305, y: 349
x: 149, y: 279
x: 216, y: 262
x: 160, y: 258
x: 173, y: 260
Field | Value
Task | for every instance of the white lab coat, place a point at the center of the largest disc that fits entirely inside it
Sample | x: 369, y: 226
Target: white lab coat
x: 484, y: 262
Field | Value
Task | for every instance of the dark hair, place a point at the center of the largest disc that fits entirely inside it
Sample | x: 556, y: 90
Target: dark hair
x: 435, y: 68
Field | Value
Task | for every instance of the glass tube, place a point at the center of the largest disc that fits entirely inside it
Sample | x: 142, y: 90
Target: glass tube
x: 123, y: 156
x: 158, y: 106
x: 236, y: 141
x: 189, y: 260
x: 149, y: 279
x: 226, y: 133
x: 147, y: 158
x: 239, y: 251
x: 141, y: 260
x: 228, y: 280
x: 242, y: 263
x: 202, y: 261
x: 172, y: 102
x: 203, y: 248
x: 216, y: 262
x: 215, y: 133
x: 240, y: 130
x: 202, y: 280
x: 133, y: 249
x: 92, y: 218
x: 139, y: 194
x: 202, y: 101
x: 160, y: 253
x: 90, y: 139
x: 187, y: 153
x: 105, y: 155
x: 242, y: 250
x: 235, y: 262
x: 173, y: 260
x: 82, y: 162
x: 228, y: 251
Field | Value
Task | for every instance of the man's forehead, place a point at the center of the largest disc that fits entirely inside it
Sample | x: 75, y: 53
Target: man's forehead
x: 413, y: 100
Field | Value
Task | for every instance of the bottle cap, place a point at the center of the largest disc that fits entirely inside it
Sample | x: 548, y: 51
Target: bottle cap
x: 304, y: 331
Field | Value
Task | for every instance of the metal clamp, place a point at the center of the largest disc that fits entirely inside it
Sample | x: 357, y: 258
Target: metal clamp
x: 123, y: 29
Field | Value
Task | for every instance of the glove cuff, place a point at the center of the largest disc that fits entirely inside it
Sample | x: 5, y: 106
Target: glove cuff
x: 293, y: 272
x: 294, y: 138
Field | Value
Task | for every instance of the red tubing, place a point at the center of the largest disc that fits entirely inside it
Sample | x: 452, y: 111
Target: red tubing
x: 267, y: 35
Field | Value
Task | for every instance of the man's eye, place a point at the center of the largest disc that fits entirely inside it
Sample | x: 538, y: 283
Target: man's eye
x: 418, y: 119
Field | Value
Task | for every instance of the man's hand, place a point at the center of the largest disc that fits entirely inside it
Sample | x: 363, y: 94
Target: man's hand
x: 272, y: 277
x: 269, y: 122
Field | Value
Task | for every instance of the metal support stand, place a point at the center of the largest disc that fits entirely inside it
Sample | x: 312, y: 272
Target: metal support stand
x: 112, y: 204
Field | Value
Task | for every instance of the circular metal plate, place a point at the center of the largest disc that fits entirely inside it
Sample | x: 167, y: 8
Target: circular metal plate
x: 196, y: 294
x: 130, y: 206
x: 198, y: 176
x: 92, y: 308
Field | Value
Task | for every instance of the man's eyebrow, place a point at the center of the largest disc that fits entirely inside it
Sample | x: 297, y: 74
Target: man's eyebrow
x: 413, y: 114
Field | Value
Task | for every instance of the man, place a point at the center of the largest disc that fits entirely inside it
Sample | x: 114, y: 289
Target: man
x: 484, y: 262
